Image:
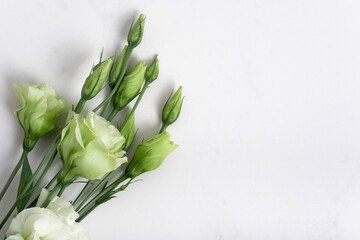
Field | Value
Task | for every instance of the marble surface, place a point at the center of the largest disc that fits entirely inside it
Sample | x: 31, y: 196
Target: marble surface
x: 269, y: 134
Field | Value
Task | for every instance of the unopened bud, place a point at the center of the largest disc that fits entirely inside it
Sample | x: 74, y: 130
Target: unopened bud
x: 130, y: 86
x: 172, y: 108
x: 116, y: 67
x: 136, y: 32
x: 152, y: 72
x: 94, y: 82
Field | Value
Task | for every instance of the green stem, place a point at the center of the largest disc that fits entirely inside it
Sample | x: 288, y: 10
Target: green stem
x: 80, y: 105
x: 53, y: 193
x: 13, y: 174
x: 103, y: 181
x: 112, y: 114
x: 52, y: 180
x: 85, y: 188
x: 135, y: 105
x: 101, y: 194
x: 105, y: 109
x: 45, y: 171
x: 163, y: 128
x: 121, y: 75
x: 7, y: 215
x: 86, y: 213
x: 28, y: 185
x: 61, y: 191
x: 33, y: 203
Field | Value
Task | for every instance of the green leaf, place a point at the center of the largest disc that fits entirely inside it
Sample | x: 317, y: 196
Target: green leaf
x: 26, y: 174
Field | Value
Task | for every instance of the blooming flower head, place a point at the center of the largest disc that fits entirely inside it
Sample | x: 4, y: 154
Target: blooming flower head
x: 90, y: 147
x: 56, y: 222
x: 39, y: 108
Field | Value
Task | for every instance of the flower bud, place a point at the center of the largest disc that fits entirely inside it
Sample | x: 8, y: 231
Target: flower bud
x: 90, y: 147
x: 172, y: 108
x: 152, y: 72
x: 94, y: 82
x: 130, y: 86
x: 40, y: 107
x: 150, y: 154
x: 116, y: 67
x: 127, y: 129
x: 136, y: 32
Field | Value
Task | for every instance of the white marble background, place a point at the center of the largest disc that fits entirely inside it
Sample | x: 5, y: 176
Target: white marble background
x: 270, y: 130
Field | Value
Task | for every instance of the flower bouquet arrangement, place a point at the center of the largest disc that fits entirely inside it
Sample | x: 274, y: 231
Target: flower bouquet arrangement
x: 89, y: 146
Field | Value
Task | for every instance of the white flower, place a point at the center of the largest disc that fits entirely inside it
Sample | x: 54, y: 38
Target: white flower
x: 56, y: 222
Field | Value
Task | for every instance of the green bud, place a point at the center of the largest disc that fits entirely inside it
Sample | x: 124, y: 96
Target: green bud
x: 39, y: 110
x: 136, y: 32
x: 94, y: 82
x: 116, y: 67
x: 150, y: 154
x: 152, y: 72
x: 127, y: 129
x: 172, y: 108
x: 130, y: 86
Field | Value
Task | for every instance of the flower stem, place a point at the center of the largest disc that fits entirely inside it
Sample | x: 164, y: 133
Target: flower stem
x: 102, y: 182
x: 59, y: 185
x: 105, y: 109
x: 112, y: 114
x: 135, y: 105
x: 14, y: 172
x: 7, y: 215
x: 87, y: 213
x: 28, y: 185
x: 163, y: 128
x: 80, y: 105
x: 33, y: 203
x: 86, y: 187
x: 101, y: 194
x: 46, y: 170
x: 52, y: 180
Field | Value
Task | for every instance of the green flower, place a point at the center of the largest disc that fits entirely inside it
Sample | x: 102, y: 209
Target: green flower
x: 39, y: 108
x: 94, y: 82
x: 90, y: 147
x: 130, y: 86
x: 150, y: 154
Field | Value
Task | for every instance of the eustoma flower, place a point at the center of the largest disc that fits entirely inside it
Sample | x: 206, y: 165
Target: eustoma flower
x: 90, y: 147
x: 150, y: 154
x: 40, y: 107
x: 56, y: 222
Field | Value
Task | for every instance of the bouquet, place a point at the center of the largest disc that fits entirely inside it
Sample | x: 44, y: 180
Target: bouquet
x: 89, y: 146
